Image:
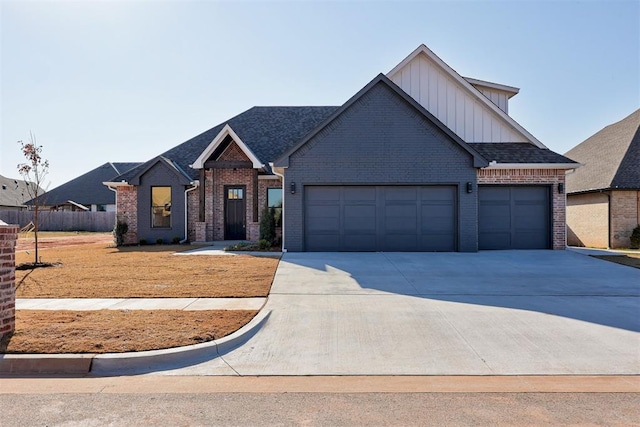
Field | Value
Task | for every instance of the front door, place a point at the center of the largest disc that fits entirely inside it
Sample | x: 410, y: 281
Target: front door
x: 234, y: 213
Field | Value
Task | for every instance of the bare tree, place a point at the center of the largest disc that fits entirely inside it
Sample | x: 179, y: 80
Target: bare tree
x: 34, y: 171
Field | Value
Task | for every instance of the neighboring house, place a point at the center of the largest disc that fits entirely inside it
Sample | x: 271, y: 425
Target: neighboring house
x: 421, y: 159
x: 13, y: 194
x: 603, y: 196
x: 86, y: 192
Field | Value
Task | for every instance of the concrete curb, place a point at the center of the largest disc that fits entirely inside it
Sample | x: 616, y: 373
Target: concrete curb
x: 110, y: 364
x: 45, y: 364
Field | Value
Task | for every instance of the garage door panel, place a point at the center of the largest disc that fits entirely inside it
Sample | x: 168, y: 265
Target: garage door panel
x: 359, y: 218
x: 514, y: 217
x: 380, y: 218
x: 400, y: 193
x: 355, y: 194
x: 324, y: 243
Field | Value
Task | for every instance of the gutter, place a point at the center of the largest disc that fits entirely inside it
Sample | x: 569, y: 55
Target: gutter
x: 195, y: 184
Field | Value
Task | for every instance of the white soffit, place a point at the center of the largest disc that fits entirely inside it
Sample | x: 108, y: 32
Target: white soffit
x: 226, y: 131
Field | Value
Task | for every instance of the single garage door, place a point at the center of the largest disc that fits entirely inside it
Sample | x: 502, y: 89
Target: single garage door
x: 516, y: 217
x: 380, y: 218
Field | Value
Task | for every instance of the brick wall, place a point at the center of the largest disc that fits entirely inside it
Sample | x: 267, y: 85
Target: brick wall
x: 380, y: 139
x: 551, y: 177
x: 588, y: 220
x: 127, y: 201
x: 625, y: 216
x: 8, y: 237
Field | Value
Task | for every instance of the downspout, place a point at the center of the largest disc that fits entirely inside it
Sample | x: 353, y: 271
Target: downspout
x: 186, y: 209
x: 284, y: 248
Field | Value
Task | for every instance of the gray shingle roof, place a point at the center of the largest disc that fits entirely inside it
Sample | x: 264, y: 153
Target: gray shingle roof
x: 13, y: 192
x: 267, y: 131
x: 518, y: 152
x: 87, y: 189
x: 611, y: 158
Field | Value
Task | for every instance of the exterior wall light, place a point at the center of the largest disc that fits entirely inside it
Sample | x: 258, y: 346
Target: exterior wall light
x: 561, y: 188
x: 469, y: 187
x: 293, y: 188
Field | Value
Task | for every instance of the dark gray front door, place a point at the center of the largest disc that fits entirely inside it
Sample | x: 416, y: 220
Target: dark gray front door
x: 514, y: 217
x: 234, y: 213
x: 380, y: 218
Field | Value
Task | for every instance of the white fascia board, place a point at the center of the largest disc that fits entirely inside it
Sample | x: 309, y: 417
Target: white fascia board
x: 226, y: 131
x: 422, y: 49
x: 491, y: 85
x: 116, y: 184
x: 565, y: 166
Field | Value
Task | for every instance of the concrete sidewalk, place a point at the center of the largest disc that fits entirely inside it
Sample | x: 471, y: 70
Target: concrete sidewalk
x: 188, y: 304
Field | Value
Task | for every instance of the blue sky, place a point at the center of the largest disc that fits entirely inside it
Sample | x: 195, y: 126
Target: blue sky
x: 100, y: 81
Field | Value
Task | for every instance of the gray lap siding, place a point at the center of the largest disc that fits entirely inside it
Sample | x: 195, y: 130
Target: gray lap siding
x: 381, y: 140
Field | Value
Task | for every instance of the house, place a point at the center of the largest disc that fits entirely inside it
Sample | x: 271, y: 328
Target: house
x: 603, y: 196
x: 86, y: 192
x: 13, y: 193
x: 420, y: 159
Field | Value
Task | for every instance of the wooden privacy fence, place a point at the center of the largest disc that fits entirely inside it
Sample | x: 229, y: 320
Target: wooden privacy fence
x: 62, y: 221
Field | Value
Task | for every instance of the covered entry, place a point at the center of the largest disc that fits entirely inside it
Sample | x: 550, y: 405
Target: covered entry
x: 380, y: 218
x: 514, y: 217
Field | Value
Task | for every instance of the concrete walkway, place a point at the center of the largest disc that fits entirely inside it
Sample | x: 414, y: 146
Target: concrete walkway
x: 188, y: 304
x: 488, y: 313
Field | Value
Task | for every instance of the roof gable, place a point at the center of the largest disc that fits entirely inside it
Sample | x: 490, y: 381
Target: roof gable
x: 611, y: 158
x: 478, y: 160
x: 181, y: 175
x: 453, y: 99
x: 218, y: 140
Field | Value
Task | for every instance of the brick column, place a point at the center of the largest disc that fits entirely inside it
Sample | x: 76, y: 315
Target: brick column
x: 8, y: 237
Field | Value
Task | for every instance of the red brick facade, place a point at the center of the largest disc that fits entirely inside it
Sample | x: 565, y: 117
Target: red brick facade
x: 216, y: 180
x: 127, y: 202
x: 8, y: 237
x: 552, y: 177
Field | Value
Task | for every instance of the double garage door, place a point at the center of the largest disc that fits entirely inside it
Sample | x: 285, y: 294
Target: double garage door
x: 380, y: 218
x: 422, y: 218
x: 516, y: 217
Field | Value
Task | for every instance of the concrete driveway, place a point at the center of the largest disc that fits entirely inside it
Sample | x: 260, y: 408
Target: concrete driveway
x: 487, y: 313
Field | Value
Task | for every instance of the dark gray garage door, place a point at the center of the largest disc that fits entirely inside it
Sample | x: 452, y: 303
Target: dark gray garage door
x: 514, y: 217
x: 380, y: 218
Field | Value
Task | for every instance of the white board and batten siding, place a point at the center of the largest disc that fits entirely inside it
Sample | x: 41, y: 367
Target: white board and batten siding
x: 453, y: 104
x: 499, y: 98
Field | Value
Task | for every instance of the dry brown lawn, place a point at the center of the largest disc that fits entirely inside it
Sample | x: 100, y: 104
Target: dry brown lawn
x: 632, y: 260
x: 91, y: 268
x: 116, y: 331
x: 100, y: 271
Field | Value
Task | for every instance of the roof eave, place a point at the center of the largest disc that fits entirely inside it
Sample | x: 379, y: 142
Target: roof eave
x: 565, y: 166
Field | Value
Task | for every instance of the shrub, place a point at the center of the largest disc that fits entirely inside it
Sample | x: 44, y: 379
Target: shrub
x: 635, y: 238
x: 143, y: 242
x: 268, y: 226
x: 119, y: 230
x: 176, y: 240
x: 159, y: 241
x: 264, y: 245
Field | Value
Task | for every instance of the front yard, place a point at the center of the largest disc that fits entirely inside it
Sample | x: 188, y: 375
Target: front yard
x: 98, y: 270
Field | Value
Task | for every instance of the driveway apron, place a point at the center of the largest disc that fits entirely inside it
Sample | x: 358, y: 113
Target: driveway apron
x: 486, y: 313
